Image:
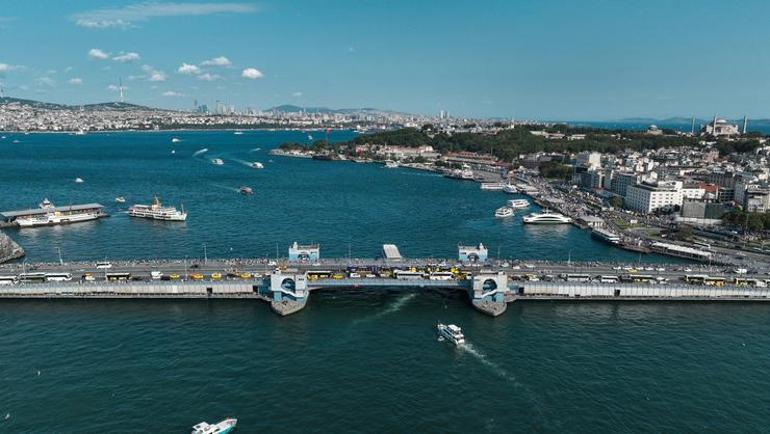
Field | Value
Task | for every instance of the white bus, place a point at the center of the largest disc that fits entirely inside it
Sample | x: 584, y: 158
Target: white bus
x: 58, y: 277
x: 409, y: 275
x: 8, y: 280
x: 577, y: 277
x: 32, y: 277
x: 442, y: 275
x: 609, y: 279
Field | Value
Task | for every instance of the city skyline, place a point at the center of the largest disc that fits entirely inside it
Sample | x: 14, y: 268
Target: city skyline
x: 594, y: 61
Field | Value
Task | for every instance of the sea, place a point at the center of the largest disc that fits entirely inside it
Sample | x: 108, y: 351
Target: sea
x: 355, y: 361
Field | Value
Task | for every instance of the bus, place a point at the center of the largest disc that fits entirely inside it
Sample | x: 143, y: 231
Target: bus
x: 318, y: 274
x: 702, y: 245
x: 643, y: 278
x: 32, y: 277
x: 8, y: 280
x: 409, y: 275
x: 577, y: 277
x: 695, y: 279
x: 118, y: 276
x: 609, y: 279
x: 58, y: 277
x: 442, y: 275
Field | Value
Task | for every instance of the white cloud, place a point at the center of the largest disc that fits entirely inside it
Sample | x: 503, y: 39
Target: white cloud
x: 76, y: 81
x: 218, y: 61
x: 125, y: 17
x: 209, y: 77
x: 171, y: 93
x: 4, y: 67
x: 252, y: 73
x: 188, y: 69
x: 157, y: 76
x: 98, y: 54
x: 127, y: 57
x: 297, y: 94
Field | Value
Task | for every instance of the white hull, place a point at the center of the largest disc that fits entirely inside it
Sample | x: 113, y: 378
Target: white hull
x: 165, y: 217
x: 52, y: 220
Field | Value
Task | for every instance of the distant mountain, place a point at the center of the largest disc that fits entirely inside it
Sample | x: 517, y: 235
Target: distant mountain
x: 290, y: 108
x: 124, y: 106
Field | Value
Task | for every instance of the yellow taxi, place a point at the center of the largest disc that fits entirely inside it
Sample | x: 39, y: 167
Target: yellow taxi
x: 216, y: 276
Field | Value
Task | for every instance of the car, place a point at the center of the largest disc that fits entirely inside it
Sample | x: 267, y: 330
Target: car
x: 197, y: 276
x: 175, y: 276
x: 338, y: 276
x: 354, y: 276
x: 661, y: 269
x: 271, y: 263
x: 156, y: 275
x: 88, y: 277
x: 245, y: 276
x: 216, y: 276
x: 195, y: 266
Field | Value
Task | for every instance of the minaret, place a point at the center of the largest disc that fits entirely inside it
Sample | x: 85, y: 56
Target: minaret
x: 692, y: 127
x: 120, y: 80
x: 714, y: 126
x: 745, y: 123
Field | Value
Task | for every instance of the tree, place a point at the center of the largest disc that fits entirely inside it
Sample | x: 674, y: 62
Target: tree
x: 616, y: 202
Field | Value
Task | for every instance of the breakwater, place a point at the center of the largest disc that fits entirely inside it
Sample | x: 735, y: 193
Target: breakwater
x: 9, y: 249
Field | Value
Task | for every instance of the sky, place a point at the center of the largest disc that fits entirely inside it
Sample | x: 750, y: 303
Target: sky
x: 545, y: 59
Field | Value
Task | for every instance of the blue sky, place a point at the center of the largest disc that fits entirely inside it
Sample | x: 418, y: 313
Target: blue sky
x: 547, y: 59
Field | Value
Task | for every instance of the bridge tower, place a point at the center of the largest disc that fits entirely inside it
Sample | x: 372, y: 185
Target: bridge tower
x: 489, y: 292
x: 290, y: 292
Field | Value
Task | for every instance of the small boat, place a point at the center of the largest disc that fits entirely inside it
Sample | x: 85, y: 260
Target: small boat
x: 510, y: 189
x: 120, y: 199
x: 173, y: 151
x: 79, y: 180
x: 257, y: 165
x: 309, y: 137
x: 218, y: 161
x: 492, y: 186
x: 15, y: 141
x: 245, y: 190
x: 238, y: 133
x: 175, y: 140
x: 503, y: 212
x: 223, y: 427
x: 3, y: 137
x: 518, y: 203
x: 391, y: 164
x: 451, y: 333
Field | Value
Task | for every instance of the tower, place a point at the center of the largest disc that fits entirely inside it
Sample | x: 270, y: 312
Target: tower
x: 692, y: 126
x: 120, y: 82
x: 745, y: 123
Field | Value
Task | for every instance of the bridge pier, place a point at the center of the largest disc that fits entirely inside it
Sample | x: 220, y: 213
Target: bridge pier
x: 290, y: 292
x: 489, y: 293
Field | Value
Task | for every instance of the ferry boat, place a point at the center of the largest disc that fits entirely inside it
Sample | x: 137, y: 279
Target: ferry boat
x: 49, y: 215
x: 518, y: 203
x: 492, y: 186
x: 451, y: 333
x: 218, y: 161
x: 503, y: 212
x: 120, y: 199
x: 257, y: 165
x: 391, y: 164
x: 157, y: 212
x: 510, y: 189
x: 245, y: 190
x: 223, y: 427
x: 79, y: 180
x: 606, y: 236
x: 175, y: 140
x: 547, y: 217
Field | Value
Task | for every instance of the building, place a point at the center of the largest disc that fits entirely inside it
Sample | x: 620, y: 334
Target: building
x: 310, y: 252
x: 647, y: 198
x: 756, y: 198
x: 621, y: 181
x: 589, y: 160
x: 703, y: 210
x: 591, y: 180
x: 472, y: 253
x: 720, y: 128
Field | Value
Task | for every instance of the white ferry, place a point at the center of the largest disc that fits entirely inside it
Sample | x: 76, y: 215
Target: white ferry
x: 503, y: 212
x: 492, y: 186
x: 518, y: 203
x: 245, y: 190
x: 510, y: 189
x: 48, y: 214
x: 451, y: 333
x: 79, y: 180
x: 223, y: 427
x: 546, y: 218
x: 120, y: 199
x: 157, y: 212
x: 391, y: 164
x: 257, y: 165
x: 217, y: 161
x: 606, y: 236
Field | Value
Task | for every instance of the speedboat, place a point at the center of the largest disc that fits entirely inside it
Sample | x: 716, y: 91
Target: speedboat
x: 120, y: 199
x: 518, y: 203
x: 391, y: 164
x: 218, y: 161
x: 79, y: 180
x: 223, y: 427
x: 257, y: 165
x: 546, y: 217
x: 451, y: 333
x: 245, y: 190
x: 503, y: 212
x: 238, y: 133
x: 510, y: 189
x: 175, y: 140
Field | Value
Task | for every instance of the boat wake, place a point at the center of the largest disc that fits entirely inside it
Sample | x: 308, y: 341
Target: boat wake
x: 224, y: 187
x: 391, y: 309
x: 244, y: 162
x: 255, y: 150
x: 200, y: 152
x: 481, y: 357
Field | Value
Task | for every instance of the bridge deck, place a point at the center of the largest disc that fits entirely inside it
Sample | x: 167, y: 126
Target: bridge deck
x: 388, y: 283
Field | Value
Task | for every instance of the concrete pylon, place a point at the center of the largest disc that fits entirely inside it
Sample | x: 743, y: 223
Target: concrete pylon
x: 488, y: 292
x: 290, y: 292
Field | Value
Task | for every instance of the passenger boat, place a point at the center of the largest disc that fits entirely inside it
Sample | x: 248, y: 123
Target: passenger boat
x: 245, y: 190
x: 510, y: 189
x: 156, y: 211
x: 546, y: 218
x: 451, y: 333
x: 223, y: 427
x: 218, y: 161
x: 606, y: 236
x: 79, y: 180
x: 518, y: 203
x: 175, y: 140
x: 257, y: 165
x: 238, y: 133
x: 503, y: 212
x: 120, y: 199
x: 492, y: 186
x: 49, y: 215
x: 391, y: 164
